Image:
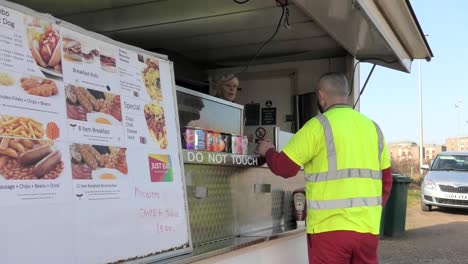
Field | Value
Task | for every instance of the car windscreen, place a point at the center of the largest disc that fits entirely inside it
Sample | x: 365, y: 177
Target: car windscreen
x: 451, y: 162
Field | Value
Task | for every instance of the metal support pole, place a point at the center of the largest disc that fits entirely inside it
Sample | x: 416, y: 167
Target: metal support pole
x: 421, y: 142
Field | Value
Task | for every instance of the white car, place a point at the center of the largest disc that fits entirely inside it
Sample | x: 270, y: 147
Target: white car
x: 446, y: 183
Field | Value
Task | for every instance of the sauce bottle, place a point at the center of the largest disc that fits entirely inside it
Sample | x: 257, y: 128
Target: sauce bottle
x: 300, y: 208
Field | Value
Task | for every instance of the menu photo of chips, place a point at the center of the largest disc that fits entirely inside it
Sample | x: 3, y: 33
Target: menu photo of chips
x: 27, y: 159
x: 93, y: 106
x: 94, y: 162
x: 156, y: 122
x: 152, y: 80
x: 29, y: 128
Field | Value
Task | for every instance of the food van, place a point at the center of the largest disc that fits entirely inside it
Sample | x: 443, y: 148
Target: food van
x: 95, y: 105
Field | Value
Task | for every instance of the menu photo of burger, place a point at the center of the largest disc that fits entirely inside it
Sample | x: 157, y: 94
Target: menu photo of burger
x: 44, y: 43
x: 71, y: 49
x: 78, y: 49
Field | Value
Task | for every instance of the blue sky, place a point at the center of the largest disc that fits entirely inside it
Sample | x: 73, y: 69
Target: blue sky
x: 391, y: 97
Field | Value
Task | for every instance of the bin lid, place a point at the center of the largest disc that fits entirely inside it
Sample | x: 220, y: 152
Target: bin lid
x: 401, y: 178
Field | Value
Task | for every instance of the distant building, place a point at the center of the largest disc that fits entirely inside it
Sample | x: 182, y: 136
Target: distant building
x: 404, y: 150
x: 408, y: 150
x: 452, y: 144
x: 431, y: 151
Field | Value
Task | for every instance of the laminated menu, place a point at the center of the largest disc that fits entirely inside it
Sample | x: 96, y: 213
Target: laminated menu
x: 89, y: 146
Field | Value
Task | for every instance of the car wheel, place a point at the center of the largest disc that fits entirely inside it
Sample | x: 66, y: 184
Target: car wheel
x: 425, y: 207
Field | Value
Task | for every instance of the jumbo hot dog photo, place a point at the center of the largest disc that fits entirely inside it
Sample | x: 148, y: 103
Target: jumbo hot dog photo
x: 45, y: 46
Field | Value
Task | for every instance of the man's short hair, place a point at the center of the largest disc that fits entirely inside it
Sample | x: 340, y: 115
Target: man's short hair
x: 337, y: 84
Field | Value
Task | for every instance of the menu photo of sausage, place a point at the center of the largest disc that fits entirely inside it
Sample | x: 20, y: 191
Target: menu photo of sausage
x: 26, y: 159
x: 93, y: 162
x: 43, y: 39
x: 93, y: 106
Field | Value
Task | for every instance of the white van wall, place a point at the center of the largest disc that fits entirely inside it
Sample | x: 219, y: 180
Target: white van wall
x: 280, y: 82
x: 308, y: 72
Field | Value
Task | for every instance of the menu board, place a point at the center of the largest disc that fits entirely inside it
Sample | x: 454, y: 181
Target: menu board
x: 90, y: 170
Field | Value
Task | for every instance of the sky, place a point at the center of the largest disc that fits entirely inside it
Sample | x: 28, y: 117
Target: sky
x: 391, y: 98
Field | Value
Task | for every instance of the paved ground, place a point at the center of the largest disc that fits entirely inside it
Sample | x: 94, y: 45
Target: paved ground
x: 440, y: 236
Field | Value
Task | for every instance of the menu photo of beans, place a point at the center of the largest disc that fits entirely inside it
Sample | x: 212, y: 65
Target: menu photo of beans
x: 27, y: 159
x: 93, y: 162
x: 93, y: 106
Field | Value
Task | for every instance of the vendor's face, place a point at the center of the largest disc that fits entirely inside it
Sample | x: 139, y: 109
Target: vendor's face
x: 229, y: 89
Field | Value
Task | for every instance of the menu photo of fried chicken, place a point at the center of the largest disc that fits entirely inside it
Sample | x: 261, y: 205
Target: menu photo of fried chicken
x: 39, y: 86
x: 93, y: 162
x: 93, y: 106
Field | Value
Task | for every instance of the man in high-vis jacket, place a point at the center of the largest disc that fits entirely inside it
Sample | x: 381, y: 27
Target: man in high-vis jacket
x: 348, y: 177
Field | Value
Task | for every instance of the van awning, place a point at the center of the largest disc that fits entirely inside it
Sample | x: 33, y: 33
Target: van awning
x: 383, y: 32
x: 222, y: 33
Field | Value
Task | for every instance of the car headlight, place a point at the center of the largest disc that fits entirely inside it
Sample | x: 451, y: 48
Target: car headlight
x: 429, y: 184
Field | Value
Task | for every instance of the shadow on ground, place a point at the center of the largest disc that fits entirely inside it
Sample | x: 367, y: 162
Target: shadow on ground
x: 438, y: 244
x: 455, y: 211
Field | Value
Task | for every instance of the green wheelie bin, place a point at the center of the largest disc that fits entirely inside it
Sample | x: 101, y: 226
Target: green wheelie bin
x: 394, y: 215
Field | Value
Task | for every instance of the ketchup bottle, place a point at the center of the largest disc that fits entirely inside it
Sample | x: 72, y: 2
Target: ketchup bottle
x: 300, y: 207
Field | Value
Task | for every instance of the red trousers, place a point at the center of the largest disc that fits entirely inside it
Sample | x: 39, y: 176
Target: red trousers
x: 342, y: 247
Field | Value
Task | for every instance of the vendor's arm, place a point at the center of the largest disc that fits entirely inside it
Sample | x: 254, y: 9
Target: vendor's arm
x: 387, y: 178
x: 387, y: 181
x: 299, y: 150
x: 280, y: 164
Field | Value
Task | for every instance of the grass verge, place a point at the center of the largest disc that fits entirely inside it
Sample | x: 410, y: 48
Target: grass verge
x: 414, y: 197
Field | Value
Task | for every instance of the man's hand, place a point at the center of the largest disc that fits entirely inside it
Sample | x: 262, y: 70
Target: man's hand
x: 263, y: 146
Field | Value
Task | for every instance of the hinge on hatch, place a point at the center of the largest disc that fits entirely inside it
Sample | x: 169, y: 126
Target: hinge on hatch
x: 282, y: 2
x: 355, y: 5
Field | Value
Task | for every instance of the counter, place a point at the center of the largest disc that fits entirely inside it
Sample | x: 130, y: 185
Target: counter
x: 231, y: 247
x: 234, y: 207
